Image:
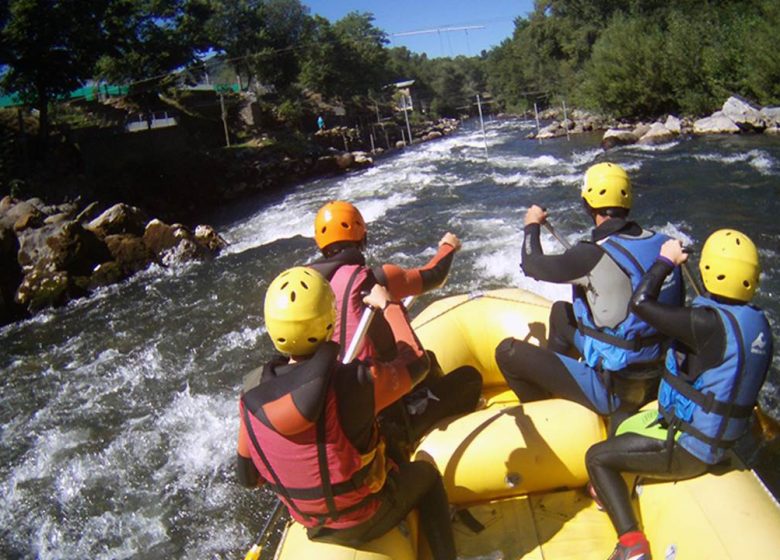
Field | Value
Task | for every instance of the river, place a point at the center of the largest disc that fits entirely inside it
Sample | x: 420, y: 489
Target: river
x: 118, y: 414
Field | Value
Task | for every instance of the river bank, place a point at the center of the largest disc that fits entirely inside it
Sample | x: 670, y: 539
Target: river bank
x: 52, y: 253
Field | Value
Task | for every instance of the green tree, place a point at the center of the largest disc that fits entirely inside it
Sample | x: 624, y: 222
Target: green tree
x: 625, y: 75
x: 49, y: 48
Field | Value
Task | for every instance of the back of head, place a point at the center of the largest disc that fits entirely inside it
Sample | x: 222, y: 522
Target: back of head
x: 338, y: 221
x: 300, y: 311
x: 607, y: 189
x: 729, y: 265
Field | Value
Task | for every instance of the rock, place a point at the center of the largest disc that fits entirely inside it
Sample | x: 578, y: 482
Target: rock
x: 433, y: 135
x: 717, y: 123
x: 129, y: 252
x: 89, y: 213
x: 673, y: 124
x: 186, y: 250
x: 326, y: 165
x: 552, y: 130
x: 362, y: 158
x: 43, y: 288
x: 641, y: 129
x: 773, y: 130
x: 345, y: 160
x: 10, y: 276
x: 22, y: 212
x: 159, y: 237
x: 657, y: 134
x: 617, y: 137
x: 105, y: 274
x: 400, y: 144
x: 77, y: 250
x: 743, y: 114
x: 771, y: 116
x: 210, y: 239
x: 26, y: 221
x: 6, y: 202
x: 120, y: 218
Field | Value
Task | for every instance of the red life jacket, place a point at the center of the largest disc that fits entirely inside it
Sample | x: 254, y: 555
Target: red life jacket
x: 299, y: 447
x: 346, y: 282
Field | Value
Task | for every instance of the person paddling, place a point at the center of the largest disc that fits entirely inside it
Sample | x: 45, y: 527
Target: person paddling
x: 340, y: 233
x: 721, y: 354
x: 308, y: 424
x: 619, y: 351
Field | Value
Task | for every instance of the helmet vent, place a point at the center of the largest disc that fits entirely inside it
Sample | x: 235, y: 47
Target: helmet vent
x: 738, y: 241
x: 345, y: 225
x: 285, y: 285
x: 292, y: 296
x: 721, y: 276
x: 746, y: 284
x: 623, y: 193
x: 281, y: 340
x: 602, y: 192
x: 330, y: 326
x: 323, y: 229
x: 312, y: 339
x: 304, y: 285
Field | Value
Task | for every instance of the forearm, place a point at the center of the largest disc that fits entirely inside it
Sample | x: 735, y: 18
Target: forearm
x: 568, y: 267
x: 672, y: 321
x: 401, y: 282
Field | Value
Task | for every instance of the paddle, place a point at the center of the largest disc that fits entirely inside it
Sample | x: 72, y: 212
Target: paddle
x: 257, y: 548
x: 561, y: 240
x: 349, y: 355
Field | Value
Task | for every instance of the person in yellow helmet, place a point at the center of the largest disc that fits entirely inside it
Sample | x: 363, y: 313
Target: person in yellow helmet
x: 619, y: 353
x: 308, y: 426
x: 721, y: 354
x: 341, y: 234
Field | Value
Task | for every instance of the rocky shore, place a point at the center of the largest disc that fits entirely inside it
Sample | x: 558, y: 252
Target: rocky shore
x: 52, y: 254
x: 736, y: 116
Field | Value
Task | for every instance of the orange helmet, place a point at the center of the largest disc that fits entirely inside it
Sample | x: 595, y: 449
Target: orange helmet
x: 338, y: 221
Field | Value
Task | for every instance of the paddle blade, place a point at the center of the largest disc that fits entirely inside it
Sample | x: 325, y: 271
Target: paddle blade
x: 254, y: 552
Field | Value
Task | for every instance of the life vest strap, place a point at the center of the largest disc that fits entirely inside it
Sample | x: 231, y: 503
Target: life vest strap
x: 632, y: 344
x: 707, y: 401
x: 676, y: 423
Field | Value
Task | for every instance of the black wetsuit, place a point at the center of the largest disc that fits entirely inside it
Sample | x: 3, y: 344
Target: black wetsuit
x: 700, y: 333
x: 536, y: 373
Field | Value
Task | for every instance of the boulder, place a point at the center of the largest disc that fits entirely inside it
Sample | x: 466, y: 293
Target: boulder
x: 345, y: 160
x: 120, y: 218
x: 362, y: 158
x: 743, y: 114
x: 673, y: 124
x: 76, y: 250
x: 10, y: 276
x: 617, y: 137
x: 657, y: 134
x: 160, y: 237
x: 773, y: 130
x: 22, y: 212
x: 43, y: 288
x: 552, y: 130
x: 771, y: 116
x: 105, y: 274
x: 717, y: 123
x: 129, y: 252
x: 210, y: 239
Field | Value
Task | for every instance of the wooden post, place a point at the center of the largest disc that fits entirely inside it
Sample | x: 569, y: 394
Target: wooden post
x: 536, y: 112
x: 224, y: 119
x: 482, y: 124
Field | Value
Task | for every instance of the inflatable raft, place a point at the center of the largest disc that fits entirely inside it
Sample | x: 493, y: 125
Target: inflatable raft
x: 516, y: 472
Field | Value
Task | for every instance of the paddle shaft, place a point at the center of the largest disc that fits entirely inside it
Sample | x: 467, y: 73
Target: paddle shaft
x: 556, y: 235
x: 257, y: 548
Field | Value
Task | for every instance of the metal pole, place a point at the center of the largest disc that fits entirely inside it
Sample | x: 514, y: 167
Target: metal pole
x: 373, y: 149
x: 565, y: 118
x: 224, y: 119
x: 482, y: 124
x: 536, y: 112
x: 406, y: 116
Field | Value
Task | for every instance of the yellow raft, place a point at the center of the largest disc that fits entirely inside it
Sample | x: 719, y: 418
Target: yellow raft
x: 519, y: 470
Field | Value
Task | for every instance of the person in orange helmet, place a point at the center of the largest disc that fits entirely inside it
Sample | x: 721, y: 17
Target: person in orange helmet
x: 340, y: 232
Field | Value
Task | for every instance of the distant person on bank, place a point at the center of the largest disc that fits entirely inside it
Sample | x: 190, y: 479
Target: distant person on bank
x: 620, y: 352
x: 721, y: 354
x: 320, y: 123
x: 308, y: 423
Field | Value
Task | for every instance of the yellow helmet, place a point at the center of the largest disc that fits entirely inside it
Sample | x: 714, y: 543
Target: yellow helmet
x: 729, y: 265
x: 338, y: 221
x: 300, y: 310
x: 607, y: 185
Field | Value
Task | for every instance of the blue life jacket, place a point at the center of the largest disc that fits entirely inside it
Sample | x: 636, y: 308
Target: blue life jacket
x: 632, y: 341
x: 713, y: 410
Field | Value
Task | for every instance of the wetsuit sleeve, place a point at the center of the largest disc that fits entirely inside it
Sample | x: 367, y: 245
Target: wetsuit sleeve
x: 698, y: 328
x: 245, y: 469
x: 392, y: 380
x: 401, y: 282
x: 572, y: 265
